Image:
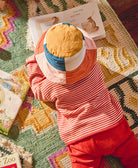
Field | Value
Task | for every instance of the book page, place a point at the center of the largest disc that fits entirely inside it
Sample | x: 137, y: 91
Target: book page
x: 40, y: 24
x: 86, y: 17
x: 12, y: 93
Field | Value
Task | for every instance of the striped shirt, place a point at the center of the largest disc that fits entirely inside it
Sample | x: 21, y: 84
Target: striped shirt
x: 83, y: 108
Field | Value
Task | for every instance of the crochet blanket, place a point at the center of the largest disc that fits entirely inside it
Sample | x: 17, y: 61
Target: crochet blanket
x: 35, y: 128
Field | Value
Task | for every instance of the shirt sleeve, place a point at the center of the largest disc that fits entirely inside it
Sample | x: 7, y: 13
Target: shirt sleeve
x: 38, y: 82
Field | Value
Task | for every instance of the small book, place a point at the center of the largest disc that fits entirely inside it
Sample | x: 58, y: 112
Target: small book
x: 86, y: 17
x: 12, y: 93
x: 10, y: 161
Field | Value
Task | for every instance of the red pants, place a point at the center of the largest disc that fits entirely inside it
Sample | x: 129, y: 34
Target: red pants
x: 118, y: 141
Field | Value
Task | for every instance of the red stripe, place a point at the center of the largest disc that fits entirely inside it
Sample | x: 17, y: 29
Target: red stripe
x: 32, y: 61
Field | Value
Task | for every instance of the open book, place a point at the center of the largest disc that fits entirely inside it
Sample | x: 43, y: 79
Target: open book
x: 12, y: 93
x: 86, y: 17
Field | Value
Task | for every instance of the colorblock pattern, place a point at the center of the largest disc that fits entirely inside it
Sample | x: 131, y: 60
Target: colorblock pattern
x: 67, y: 66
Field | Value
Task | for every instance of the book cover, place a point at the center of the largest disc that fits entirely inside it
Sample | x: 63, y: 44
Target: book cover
x: 10, y: 161
x: 12, y: 93
x: 86, y: 17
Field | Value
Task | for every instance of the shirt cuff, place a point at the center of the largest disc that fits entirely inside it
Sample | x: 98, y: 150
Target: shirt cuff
x: 31, y: 59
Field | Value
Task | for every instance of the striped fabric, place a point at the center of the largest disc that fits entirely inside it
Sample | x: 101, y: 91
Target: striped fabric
x: 83, y: 108
x: 74, y: 81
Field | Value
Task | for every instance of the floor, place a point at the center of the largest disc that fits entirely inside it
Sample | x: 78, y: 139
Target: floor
x: 127, y: 11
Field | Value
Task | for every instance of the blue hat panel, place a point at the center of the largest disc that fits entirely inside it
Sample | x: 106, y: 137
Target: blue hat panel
x: 56, y: 62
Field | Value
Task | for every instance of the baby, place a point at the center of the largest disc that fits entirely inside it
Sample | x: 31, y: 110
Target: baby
x: 91, y: 122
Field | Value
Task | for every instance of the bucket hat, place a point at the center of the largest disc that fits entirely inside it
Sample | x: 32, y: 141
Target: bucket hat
x: 65, y: 53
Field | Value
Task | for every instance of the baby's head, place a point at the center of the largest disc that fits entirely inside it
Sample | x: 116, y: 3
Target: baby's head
x: 64, y: 40
x: 68, y: 56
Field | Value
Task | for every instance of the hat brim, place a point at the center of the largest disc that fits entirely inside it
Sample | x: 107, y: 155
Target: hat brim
x: 67, y: 77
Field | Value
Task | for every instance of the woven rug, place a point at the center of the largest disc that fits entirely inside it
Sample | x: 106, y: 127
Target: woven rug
x: 35, y: 128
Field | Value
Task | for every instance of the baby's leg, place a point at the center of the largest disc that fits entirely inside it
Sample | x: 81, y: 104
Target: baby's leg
x: 128, y: 152
x: 84, y: 155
